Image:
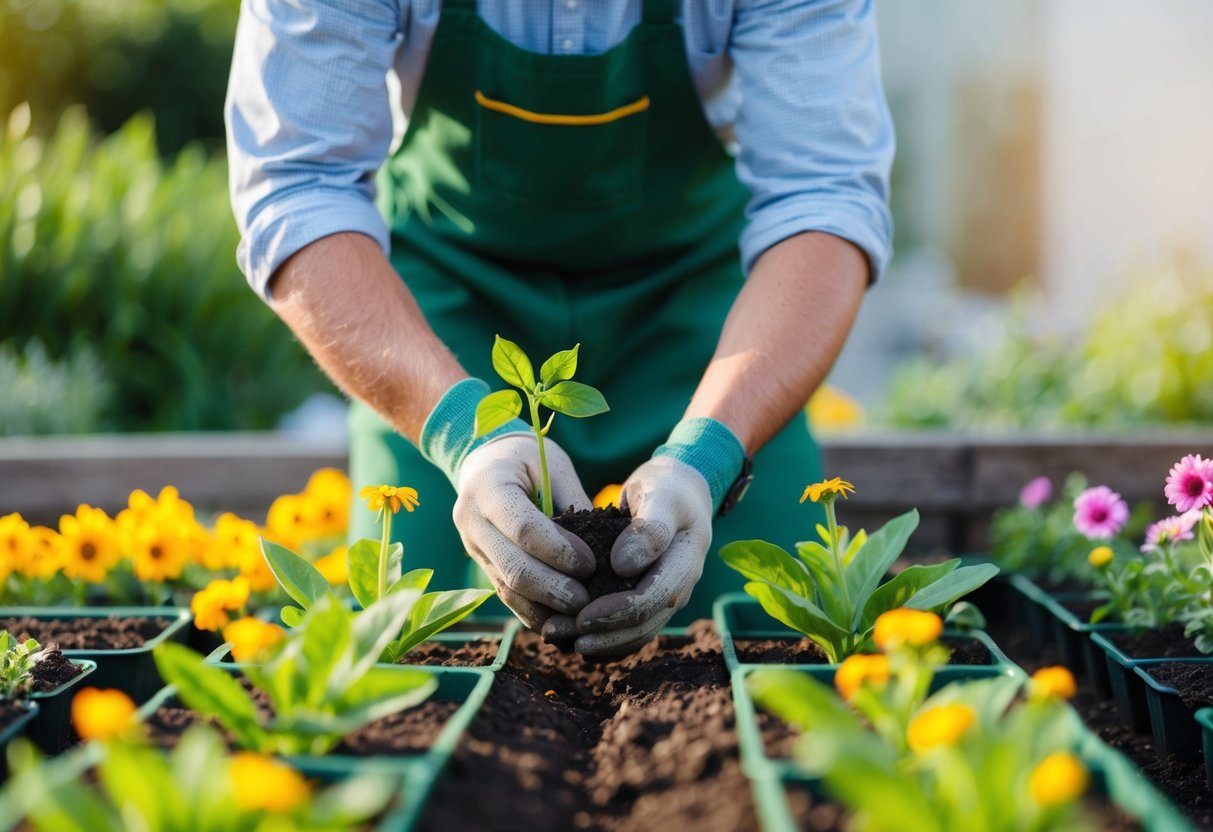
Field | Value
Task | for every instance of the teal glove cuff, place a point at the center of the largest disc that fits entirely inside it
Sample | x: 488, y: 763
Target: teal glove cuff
x: 446, y: 437
x: 711, y: 449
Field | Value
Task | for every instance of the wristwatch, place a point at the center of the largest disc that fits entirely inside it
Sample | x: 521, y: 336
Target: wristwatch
x: 739, y: 487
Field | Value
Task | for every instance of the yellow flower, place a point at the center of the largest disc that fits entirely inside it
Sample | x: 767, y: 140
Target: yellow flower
x: 827, y: 490
x: 859, y: 670
x: 608, y: 496
x: 233, y: 542
x: 251, y: 637
x: 389, y: 497
x: 212, y: 604
x: 829, y: 407
x: 256, y: 571
x: 262, y: 783
x: 102, y: 714
x: 159, y: 553
x: 1053, y: 682
x: 43, y: 554
x: 330, y: 493
x: 334, y: 567
x: 906, y: 626
x: 89, y: 544
x: 941, y: 725
x: 14, y: 543
x: 1100, y: 556
x: 1060, y: 778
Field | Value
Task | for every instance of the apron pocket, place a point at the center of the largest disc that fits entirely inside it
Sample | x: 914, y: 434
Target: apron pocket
x: 568, y: 161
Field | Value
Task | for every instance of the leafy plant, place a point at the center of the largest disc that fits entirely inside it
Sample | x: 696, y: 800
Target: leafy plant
x: 126, y: 784
x: 833, y: 592
x: 554, y: 390
x: 993, y: 754
x: 45, y: 396
x: 322, y: 680
x: 375, y: 573
x: 17, y: 664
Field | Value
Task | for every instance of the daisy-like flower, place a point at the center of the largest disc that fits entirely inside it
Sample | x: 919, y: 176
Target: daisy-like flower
x: 1190, y: 483
x: 89, y: 544
x: 1170, y: 530
x: 329, y: 492
x: 160, y: 553
x: 389, y: 497
x: 14, y: 543
x: 1036, y: 493
x: 1100, y: 513
x: 827, y: 490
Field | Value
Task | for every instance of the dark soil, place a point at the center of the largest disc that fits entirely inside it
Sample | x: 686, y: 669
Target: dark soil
x: 407, y: 732
x: 1167, y: 643
x: 1083, y: 609
x: 1184, y: 783
x: 598, y: 528
x: 112, y: 633
x: 644, y: 743
x: 10, y: 712
x: 1194, y: 682
x: 481, y: 652
x: 54, y: 670
x: 805, y: 651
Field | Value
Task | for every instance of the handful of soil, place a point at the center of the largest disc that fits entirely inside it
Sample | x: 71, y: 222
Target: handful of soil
x: 599, y: 527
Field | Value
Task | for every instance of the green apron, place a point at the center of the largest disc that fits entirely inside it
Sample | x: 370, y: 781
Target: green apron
x: 562, y: 199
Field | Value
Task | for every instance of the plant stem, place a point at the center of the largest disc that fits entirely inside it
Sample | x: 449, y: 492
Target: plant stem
x: 546, y: 493
x: 839, y: 570
x: 384, y: 545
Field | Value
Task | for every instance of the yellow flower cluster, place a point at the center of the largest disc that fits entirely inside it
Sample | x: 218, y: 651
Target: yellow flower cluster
x: 320, y: 512
x: 906, y: 626
x: 861, y: 670
x: 212, y: 604
x: 262, y: 783
x: 251, y: 638
x: 829, y: 409
x: 939, y: 726
x: 101, y: 715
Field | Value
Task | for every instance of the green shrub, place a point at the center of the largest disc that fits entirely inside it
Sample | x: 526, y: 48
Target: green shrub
x: 105, y: 247
x: 41, y: 396
x: 1145, y: 359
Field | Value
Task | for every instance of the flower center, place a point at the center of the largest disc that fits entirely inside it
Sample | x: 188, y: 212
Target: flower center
x: 155, y: 552
x: 88, y: 550
x: 1195, y: 486
x: 1099, y: 515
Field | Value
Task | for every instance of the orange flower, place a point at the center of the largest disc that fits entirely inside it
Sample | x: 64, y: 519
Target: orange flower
x: 1053, y: 682
x: 859, y: 670
x: 1060, y: 778
x: 906, y: 626
x: 389, y: 497
x: 941, y: 725
x: 102, y: 714
x: 262, y: 783
x: 251, y: 638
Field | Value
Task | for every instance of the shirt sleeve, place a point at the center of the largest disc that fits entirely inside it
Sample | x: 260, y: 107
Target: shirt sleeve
x: 815, y: 134
x: 308, y: 124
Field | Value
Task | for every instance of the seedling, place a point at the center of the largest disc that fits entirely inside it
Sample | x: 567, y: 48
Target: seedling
x: 555, y: 390
x: 17, y: 664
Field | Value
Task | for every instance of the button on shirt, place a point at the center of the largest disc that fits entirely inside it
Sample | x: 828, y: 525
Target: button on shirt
x: 794, y: 83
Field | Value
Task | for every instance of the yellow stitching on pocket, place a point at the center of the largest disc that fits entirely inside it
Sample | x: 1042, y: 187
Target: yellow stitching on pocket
x: 626, y: 110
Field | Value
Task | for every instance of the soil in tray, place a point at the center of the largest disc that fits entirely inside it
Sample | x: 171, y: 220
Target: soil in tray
x: 646, y: 742
x: 1168, y: 642
x: 1083, y: 610
x: 1184, y: 783
x: 87, y: 633
x: 1194, y: 682
x: 10, y: 712
x: 805, y: 651
x: 411, y: 731
x: 598, y: 528
x: 479, y: 653
x: 54, y: 670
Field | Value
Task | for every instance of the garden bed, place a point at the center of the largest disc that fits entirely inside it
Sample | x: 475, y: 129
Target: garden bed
x: 87, y: 633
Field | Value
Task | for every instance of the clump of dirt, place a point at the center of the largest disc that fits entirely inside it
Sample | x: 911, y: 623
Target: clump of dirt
x: 599, y: 527
x: 480, y: 652
x: 53, y: 670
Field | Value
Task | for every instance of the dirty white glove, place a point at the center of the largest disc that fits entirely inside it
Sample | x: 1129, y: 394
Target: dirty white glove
x: 532, y: 562
x: 673, y: 498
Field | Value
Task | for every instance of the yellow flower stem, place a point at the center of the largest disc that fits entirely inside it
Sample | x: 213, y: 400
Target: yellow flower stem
x: 839, y: 570
x: 384, y: 545
x: 543, y: 458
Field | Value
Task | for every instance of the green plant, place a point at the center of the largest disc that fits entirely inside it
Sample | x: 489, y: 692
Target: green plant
x: 375, y: 572
x: 45, y: 396
x: 980, y: 756
x: 125, y: 784
x: 555, y: 390
x: 17, y: 664
x: 105, y: 248
x: 1198, y: 617
x: 322, y: 679
x: 833, y: 592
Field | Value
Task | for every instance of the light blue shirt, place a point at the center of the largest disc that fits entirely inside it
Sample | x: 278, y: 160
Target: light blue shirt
x: 794, y: 84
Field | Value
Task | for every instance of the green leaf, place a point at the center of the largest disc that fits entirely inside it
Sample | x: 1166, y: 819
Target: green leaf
x: 819, y: 562
x: 560, y: 366
x: 209, y: 690
x: 901, y: 588
x: 362, y: 561
x: 353, y: 801
x: 758, y: 560
x: 377, y: 626
x: 869, y: 565
x: 417, y: 579
x: 291, y: 616
x: 572, y: 398
x: 800, y: 614
x: 389, y: 684
x: 952, y: 586
x: 143, y: 779
x: 495, y: 410
x: 299, y: 578
x: 511, y: 364
x: 800, y: 700
x: 434, y: 613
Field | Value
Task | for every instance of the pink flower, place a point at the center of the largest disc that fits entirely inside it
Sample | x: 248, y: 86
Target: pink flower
x: 1190, y: 483
x: 1036, y: 493
x: 1099, y: 512
x: 1170, y: 530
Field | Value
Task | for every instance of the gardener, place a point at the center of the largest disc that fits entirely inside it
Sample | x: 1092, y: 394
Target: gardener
x: 563, y: 181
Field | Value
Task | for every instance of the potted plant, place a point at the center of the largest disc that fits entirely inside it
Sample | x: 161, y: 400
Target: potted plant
x: 32, y: 672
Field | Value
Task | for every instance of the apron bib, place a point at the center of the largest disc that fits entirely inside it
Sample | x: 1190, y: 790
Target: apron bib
x: 562, y: 199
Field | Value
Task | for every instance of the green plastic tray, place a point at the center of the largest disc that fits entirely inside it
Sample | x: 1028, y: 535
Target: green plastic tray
x: 1129, y: 688
x: 52, y: 728
x: 737, y: 615
x: 1204, y: 718
x: 15, y: 729
x: 1073, y: 638
x: 131, y: 670
x: 1170, y: 719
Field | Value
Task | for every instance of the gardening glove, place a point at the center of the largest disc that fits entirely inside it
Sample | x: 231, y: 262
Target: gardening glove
x: 673, y: 498
x: 532, y: 562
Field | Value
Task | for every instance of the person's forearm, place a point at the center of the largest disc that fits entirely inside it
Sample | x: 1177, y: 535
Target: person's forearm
x: 782, y: 335
x: 353, y: 313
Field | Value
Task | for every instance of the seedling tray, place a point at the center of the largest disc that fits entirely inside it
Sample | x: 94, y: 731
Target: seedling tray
x: 1170, y: 719
x: 13, y: 730
x: 1129, y: 688
x: 131, y: 670
x: 1073, y: 637
x: 52, y: 728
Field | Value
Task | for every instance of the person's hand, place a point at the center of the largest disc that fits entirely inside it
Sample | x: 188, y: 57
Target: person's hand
x: 669, y: 537
x: 532, y: 562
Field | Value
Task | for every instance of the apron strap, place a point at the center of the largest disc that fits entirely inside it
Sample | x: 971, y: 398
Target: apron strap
x: 660, y: 11
x: 459, y: 5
